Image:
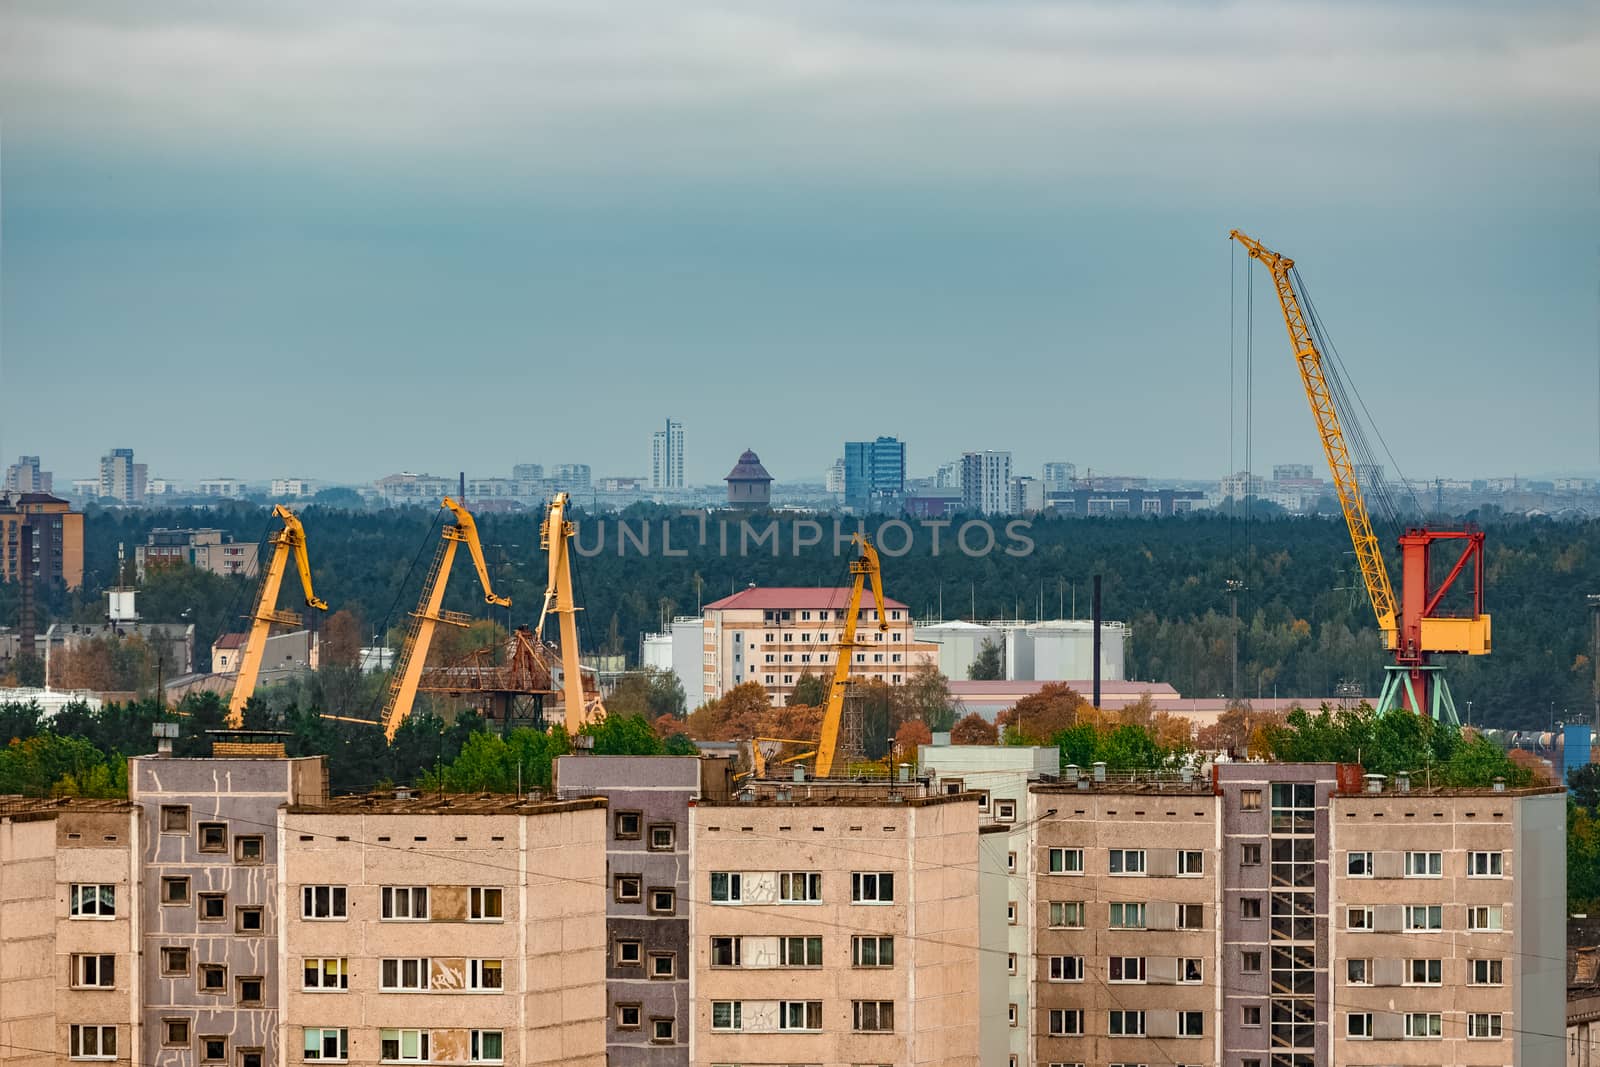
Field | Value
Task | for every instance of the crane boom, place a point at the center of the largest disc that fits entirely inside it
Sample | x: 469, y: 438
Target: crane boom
x: 555, y: 537
x: 292, y: 538
x: 861, y: 568
x: 419, y: 637
x: 1369, y: 555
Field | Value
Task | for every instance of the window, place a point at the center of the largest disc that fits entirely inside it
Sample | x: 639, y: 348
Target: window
x: 1358, y: 919
x: 485, y: 976
x: 405, y: 902
x: 92, y: 901
x: 1424, y: 917
x: 663, y: 837
x: 485, y: 904
x: 628, y: 1017
x: 174, y: 818
x: 400, y: 974
x: 1358, y: 1024
x: 213, y: 907
x: 1250, y: 855
x: 1249, y: 907
x: 1066, y: 968
x: 1250, y: 963
x: 1424, y: 972
x: 1127, y: 915
x: 1424, y: 864
x: 1126, y: 1024
x: 800, y: 951
x: 250, y: 1057
x: 1005, y: 810
x: 174, y: 961
x: 1486, y: 918
x: 1011, y: 1014
x: 630, y: 952
x: 326, y: 972
x: 1066, y: 1023
x: 726, y: 887
x: 1191, y: 971
x: 1249, y: 800
x: 799, y: 887
x: 213, y: 978
x: 213, y: 836
x: 488, y: 1046
x: 1066, y: 914
x: 1358, y: 864
x: 1011, y: 963
x: 873, y: 1016
x: 727, y: 1015
x: 94, y: 972
x: 249, y: 849
x: 175, y: 1033
x: 1127, y: 969
x: 1252, y: 1015
x: 213, y: 1049
x: 1484, y: 1026
x: 1424, y: 1024
x: 872, y: 951
x: 1011, y: 912
x: 326, y: 1043
x: 629, y: 888
x: 1066, y: 861
x: 628, y: 824
x: 1127, y: 861
x: 249, y: 920
x: 1358, y: 972
x: 250, y: 992
x: 1011, y: 863
x: 663, y: 901
x: 871, y: 888
x: 663, y: 1031
x: 174, y: 890
x: 322, y: 902
x: 1191, y: 916
x: 1191, y: 864
x: 799, y: 1015
x: 403, y: 1046
x: 1485, y: 972
x: 1485, y: 864
x: 1191, y: 1024
x: 93, y: 1042
x: 663, y: 964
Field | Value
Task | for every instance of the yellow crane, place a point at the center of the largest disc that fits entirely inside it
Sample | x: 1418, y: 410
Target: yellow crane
x: 430, y: 613
x: 1414, y: 625
x: 555, y: 537
x: 292, y: 538
x: 862, y: 567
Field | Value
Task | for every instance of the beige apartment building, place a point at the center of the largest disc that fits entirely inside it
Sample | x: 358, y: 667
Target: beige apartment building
x: 774, y: 635
x: 834, y: 924
x: 69, y: 984
x: 456, y: 930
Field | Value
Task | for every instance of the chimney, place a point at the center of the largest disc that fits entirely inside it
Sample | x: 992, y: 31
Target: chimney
x: 1096, y: 612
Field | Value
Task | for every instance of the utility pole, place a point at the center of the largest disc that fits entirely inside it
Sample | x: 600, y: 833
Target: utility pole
x: 1234, y: 585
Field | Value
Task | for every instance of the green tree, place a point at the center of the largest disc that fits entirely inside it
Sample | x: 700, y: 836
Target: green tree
x: 649, y: 691
x: 1585, y: 786
x: 988, y: 665
x: 809, y: 689
x: 623, y: 735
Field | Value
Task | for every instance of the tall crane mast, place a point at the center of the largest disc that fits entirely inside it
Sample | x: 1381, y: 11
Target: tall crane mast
x: 863, y: 567
x: 292, y: 538
x: 555, y: 537
x: 430, y: 613
x: 1412, y: 628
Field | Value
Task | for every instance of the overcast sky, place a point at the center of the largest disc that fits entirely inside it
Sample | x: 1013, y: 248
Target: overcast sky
x: 339, y: 240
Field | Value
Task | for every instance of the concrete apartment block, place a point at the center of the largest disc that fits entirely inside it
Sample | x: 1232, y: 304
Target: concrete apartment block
x: 455, y: 930
x: 209, y: 906
x: 1125, y: 914
x: 67, y: 931
x: 835, y: 924
x: 647, y: 960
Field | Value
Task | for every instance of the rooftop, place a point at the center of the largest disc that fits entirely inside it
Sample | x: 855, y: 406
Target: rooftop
x: 396, y: 802
x: 789, y: 597
x: 748, y: 469
x: 917, y: 793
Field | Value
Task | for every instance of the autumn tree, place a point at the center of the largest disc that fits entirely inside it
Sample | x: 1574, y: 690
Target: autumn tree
x: 974, y: 730
x: 649, y: 691
x: 342, y: 635
x: 1037, y: 717
x: 740, y: 712
x: 912, y: 732
x: 925, y: 696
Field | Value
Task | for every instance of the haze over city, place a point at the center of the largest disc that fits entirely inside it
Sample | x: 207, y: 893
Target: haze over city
x: 261, y: 240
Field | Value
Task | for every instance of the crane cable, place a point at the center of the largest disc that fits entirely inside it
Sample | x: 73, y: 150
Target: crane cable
x: 382, y: 693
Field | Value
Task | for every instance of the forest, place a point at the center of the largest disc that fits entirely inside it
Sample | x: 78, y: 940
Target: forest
x: 1304, y: 627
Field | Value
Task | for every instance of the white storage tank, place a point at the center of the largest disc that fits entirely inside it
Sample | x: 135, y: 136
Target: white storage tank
x: 959, y: 643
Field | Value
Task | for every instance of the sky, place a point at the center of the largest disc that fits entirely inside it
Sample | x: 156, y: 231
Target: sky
x: 342, y: 240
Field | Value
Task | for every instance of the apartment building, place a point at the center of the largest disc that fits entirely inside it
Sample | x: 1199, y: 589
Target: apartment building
x: 68, y: 949
x: 41, y: 535
x: 834, y: 924
x: 999, y: 776
x: 646, y: 859
x: 443, y: 930
x: 985, y: 482
x: 773, y: 635
x: 205, y: 549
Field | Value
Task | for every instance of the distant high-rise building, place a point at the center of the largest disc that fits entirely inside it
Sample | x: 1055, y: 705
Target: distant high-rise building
x: 24, y: 476
x: 836, y: 477
x: 874, y: 473
x: 1026, y: 495
x: 1060, y: 476
x: 1294, y: 473
x: 527, y: 472
x: 986, y: 482
x: 666, y: 459
x: 571, y: 477
x: 121, y: 478
x: 948, y: 476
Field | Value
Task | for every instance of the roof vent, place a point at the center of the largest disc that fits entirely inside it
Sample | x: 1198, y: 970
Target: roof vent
x: 1100, y: 770
x: 1073, y: 774
x: 404, y: 792
x: 1499, y: 785
x: 1402, y: 781
x: 1375, y: 782
x: 799, y: 773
